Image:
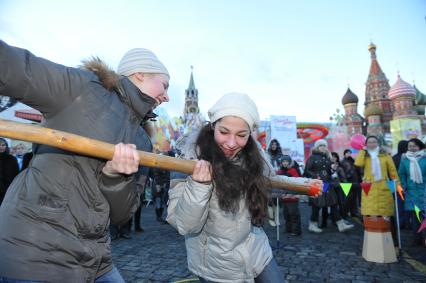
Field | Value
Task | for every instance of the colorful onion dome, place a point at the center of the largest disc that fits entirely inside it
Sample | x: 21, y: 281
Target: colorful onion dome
x: 401, y: 88
x: 349, y: 97
x: 371, y: 46
x: 372, y: 110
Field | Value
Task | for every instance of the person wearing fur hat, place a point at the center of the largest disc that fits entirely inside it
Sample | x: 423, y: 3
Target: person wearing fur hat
x: 319, y: 166
x: 55, y: 216
x: 221, y: 206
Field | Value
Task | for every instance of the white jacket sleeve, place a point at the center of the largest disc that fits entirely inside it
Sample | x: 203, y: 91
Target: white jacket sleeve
x: 188, y: 205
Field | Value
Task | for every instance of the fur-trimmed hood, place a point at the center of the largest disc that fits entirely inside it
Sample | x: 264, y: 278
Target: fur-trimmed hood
x: 107, y: 76
x: 111, y: 81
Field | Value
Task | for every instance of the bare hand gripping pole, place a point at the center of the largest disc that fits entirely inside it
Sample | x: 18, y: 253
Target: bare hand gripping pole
x: 99, y: 149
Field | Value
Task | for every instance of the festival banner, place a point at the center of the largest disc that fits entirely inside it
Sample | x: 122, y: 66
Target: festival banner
x: 283, y: 128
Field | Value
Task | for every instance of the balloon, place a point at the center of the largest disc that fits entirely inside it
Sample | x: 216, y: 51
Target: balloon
x: 358, y: 141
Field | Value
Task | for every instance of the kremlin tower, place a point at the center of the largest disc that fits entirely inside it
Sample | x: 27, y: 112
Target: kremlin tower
x: 191, y: 99
x: 192, y: 117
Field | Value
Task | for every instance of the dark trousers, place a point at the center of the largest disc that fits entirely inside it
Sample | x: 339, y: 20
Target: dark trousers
x: 334, y: 213
x: 292, y: 217
x: 351, y: 204
x: 341, y: 202
x: 404, y: 215
x: 137, y: 215
x: 415, y: 225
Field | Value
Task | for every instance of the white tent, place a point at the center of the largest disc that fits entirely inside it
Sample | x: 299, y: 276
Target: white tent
x: 9, y: 113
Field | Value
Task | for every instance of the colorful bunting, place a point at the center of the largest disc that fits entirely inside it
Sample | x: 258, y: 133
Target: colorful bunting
x: 346, y: 187
x: 423, y: 226
x: 417, y: 210
x: 366, y: 187
x: 325, y: 187
x: 391, y: 185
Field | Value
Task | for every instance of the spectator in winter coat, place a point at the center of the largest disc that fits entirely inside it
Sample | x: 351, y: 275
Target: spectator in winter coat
x: 161, y: 183
x: 8, y: 168
x: 412, y: 173
x: 54, y: 218
x: 319, y: 166
x: 404, y: 215
x: 290, y: 202
x: 352, y: 176
x: 378, y: 167
x: 338, y: 175
x: 274, y: 154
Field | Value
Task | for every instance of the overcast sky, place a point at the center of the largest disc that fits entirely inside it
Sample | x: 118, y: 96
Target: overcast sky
x: 292, y: 57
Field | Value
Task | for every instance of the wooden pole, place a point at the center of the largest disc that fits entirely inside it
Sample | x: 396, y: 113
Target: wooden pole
x: 99, y: 149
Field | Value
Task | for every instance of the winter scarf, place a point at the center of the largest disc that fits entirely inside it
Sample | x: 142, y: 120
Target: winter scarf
x: 415, y: 171
x: 375, y: 163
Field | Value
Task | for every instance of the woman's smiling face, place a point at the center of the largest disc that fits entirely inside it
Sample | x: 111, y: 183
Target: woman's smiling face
x: 231, y: 135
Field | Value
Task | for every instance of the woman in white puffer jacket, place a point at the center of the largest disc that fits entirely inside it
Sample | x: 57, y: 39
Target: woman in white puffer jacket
x: 220, y: 207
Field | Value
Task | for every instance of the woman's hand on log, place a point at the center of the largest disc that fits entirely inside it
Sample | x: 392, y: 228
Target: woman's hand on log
x: 202, y: 172
x: 124, y: 161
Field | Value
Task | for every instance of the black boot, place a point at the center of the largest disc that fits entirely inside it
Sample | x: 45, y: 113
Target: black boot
x: 159, y: 213
x: 324, y: 218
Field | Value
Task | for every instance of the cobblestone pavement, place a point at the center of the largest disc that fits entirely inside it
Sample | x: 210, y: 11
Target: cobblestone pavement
x: 158, y: 255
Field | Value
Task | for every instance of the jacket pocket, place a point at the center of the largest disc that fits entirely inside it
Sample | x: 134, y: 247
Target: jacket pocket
x: 51, y: 209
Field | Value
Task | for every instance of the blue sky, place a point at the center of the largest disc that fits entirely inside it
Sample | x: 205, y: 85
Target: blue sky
x: 292, y: 57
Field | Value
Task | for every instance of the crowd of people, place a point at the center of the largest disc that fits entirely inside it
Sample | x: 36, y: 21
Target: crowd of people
x: 373, y: 165
x: 60, y: 213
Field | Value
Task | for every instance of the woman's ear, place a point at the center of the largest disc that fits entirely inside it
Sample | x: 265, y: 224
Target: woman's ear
x: 139, y: 76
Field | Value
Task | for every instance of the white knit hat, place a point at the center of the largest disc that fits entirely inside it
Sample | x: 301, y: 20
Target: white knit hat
x: 235, y: 104
x: 319, y: 143
x: 140, y: 60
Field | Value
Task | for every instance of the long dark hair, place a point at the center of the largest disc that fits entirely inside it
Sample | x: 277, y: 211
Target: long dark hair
x: 234, y: 180
x: 276, y: 151
x: 7, y: 150
x: 336, y: 155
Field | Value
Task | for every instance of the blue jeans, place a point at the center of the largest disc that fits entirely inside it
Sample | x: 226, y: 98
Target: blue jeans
x: 110, y: 277
x: 271, y: 274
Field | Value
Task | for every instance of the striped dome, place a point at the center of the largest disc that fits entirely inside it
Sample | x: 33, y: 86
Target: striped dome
x: 401, y: 88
